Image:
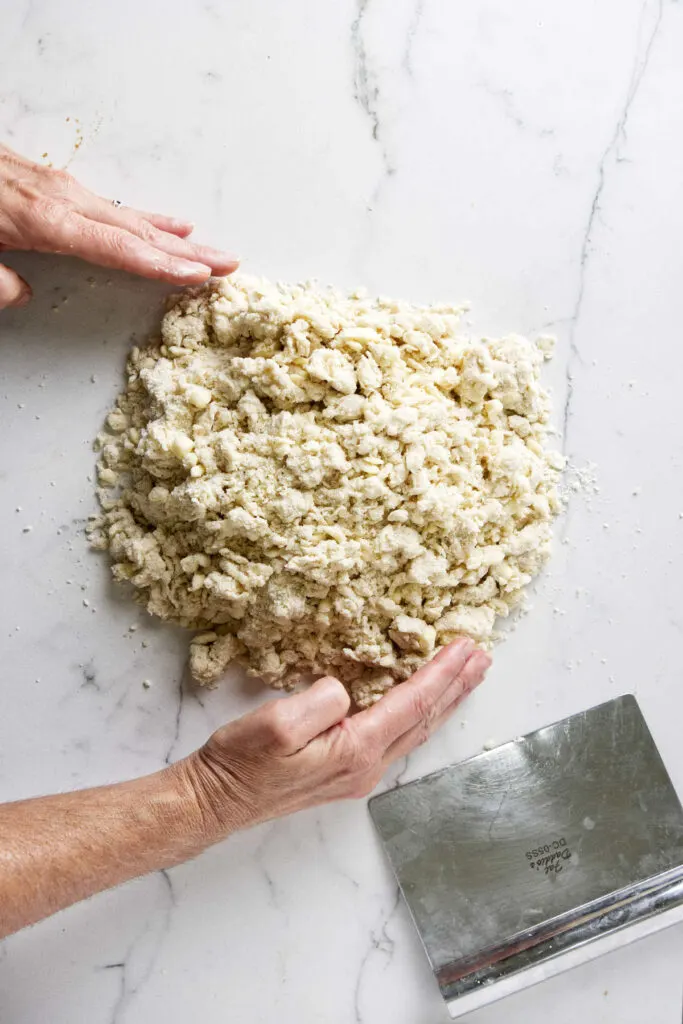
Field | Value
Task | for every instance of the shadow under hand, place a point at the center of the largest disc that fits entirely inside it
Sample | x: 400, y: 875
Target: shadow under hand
x: 75, y: 302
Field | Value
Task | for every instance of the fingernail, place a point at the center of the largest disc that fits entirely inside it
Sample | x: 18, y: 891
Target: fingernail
x: 464, y: 645
x: 220, y: 253
x: 185, y: 269
x: 333, y: 685
x: 484, y: 662
x: 23, y: 300
x: 221, y: 259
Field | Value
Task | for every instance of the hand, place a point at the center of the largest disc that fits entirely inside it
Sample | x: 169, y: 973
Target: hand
x: 48, y: 211
x: 303, y: 750
x: 290, y: 754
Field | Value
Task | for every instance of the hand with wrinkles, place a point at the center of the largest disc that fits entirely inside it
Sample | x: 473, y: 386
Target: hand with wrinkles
x: 306, y: 749
x: 48, y: 211
x: 292, y: 753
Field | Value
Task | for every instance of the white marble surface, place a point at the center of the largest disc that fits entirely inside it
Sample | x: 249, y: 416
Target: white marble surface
x: 527, y: 157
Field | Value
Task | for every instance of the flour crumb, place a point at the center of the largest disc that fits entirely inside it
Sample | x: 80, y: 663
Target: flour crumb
x: 580, y: 480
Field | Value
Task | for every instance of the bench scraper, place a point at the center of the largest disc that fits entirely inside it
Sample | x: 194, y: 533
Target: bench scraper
x: 538, y: 855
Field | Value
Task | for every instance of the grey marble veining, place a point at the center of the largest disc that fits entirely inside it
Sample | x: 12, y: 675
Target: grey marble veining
x: 525, y: 157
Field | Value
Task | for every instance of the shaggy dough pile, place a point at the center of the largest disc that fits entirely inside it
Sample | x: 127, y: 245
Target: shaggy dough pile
x: 323, y: 482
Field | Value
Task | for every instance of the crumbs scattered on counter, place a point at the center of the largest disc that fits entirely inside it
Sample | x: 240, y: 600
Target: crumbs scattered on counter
x: 580, y: 480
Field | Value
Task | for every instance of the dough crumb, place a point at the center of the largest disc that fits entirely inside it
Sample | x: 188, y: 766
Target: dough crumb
x: 326, y: 483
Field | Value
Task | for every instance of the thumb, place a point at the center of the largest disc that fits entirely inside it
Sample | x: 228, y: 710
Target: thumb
x: 14, y: 291
x: 316, y: 709
x: 287, y: 725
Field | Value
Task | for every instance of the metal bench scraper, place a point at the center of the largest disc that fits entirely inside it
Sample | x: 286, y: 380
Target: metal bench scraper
x: 538, y: 855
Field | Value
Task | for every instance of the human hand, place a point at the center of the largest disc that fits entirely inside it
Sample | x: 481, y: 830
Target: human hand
x: 303, y: 750
x: 290, y: 754
x: 48, y: 211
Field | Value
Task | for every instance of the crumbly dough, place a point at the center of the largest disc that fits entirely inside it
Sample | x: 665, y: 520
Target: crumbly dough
x: 326, y: 483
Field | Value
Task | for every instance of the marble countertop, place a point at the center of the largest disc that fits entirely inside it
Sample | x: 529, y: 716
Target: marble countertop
x: 526, y: 158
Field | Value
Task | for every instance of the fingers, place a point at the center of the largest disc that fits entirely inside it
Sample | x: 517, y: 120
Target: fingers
x: 181, y: 228
x: 286, y: 726
x: 172, y: 242
x: 470, y: 677
x: 14, y: 291
x: 408, y: 704
x: 49, y: 211
x: 117, y: 248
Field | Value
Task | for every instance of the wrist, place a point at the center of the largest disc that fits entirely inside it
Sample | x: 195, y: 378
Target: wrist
x: 164, y: 803
x: 207, y: 812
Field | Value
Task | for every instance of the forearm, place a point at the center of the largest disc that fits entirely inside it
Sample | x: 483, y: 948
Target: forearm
x: 288, y: 755
x: 56, y: 850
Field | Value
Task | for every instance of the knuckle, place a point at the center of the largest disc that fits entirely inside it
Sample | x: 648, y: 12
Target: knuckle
x: 423, y: 709
x: 53, y: 212
x: 28, y: 193
x: 144, y: 230
x: 119, y: 243
x: 63, y: 180
x: 278, y: 725
x: 424, y: 731
x: 117, y: 240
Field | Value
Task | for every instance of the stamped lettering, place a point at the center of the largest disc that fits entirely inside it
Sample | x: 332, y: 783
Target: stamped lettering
x: 550, y: 858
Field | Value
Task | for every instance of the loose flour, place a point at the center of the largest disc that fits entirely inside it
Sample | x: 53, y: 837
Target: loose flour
x: 325, y: 482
